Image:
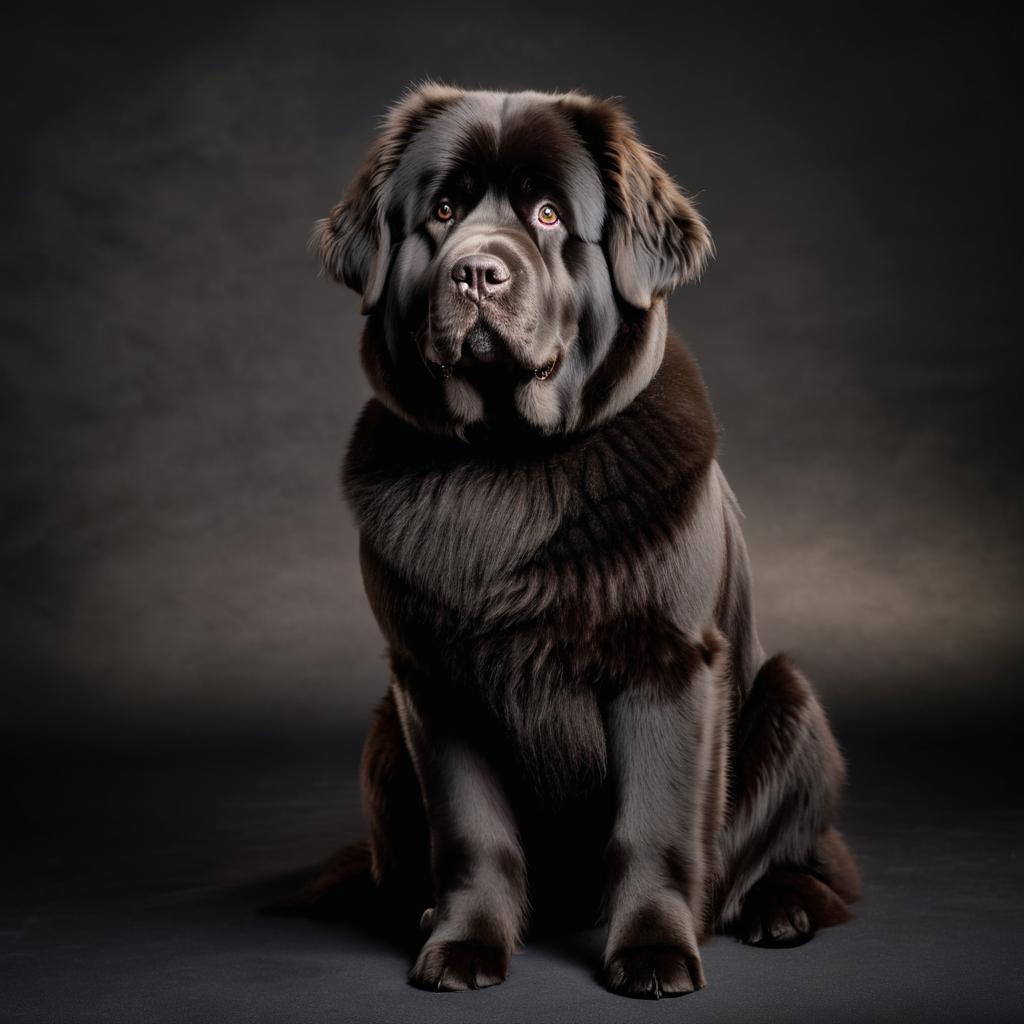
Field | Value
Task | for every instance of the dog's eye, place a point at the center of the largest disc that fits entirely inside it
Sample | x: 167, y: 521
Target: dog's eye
x: 547, y: 215
x: 443, y: 211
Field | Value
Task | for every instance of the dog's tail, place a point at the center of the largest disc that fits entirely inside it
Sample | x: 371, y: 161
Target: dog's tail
x: 342, y: 886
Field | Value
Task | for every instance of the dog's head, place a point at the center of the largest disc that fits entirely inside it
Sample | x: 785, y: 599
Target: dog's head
x: 513, y: 252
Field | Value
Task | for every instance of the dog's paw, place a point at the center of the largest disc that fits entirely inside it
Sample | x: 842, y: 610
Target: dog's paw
x: 787, y: 908
x: 781, y: 925
x: 650, y: 972
x: 457, y: 966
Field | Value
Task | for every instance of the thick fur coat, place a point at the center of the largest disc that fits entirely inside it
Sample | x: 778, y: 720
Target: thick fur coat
x: 581, y: 722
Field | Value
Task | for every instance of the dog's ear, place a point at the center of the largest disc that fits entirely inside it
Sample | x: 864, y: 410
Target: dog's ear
x: 354, y: 240
x: 654, y: 236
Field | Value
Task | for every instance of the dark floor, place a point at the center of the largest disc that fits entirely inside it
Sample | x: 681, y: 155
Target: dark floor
x: 131, y: 886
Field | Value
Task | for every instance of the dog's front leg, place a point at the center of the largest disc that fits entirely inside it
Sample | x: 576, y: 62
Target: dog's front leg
x: 665, y: 750
x: 479, y: 873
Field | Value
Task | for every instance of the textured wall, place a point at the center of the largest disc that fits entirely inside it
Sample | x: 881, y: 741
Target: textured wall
x: 177, y: 384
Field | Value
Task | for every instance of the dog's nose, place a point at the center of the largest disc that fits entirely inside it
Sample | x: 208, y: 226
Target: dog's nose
x: 480, y: 276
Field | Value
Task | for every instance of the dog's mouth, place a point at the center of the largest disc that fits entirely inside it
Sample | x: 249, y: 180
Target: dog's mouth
x: 487, y: 358
x: 483, y: 344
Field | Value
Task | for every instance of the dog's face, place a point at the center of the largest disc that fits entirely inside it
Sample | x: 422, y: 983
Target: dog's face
x: 513, y: 251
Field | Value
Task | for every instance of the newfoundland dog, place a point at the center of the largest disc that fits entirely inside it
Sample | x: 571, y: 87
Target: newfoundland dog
x: 581, y: 723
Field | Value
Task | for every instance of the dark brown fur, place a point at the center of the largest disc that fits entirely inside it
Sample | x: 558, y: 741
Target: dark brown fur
x: 580, y: 711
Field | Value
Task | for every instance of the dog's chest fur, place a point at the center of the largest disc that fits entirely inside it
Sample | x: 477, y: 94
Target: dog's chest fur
x: 530, y: 579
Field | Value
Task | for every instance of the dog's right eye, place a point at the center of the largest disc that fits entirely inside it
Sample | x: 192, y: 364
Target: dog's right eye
x: 443, y: 211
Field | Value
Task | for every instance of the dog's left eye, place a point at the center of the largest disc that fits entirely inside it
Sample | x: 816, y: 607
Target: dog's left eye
x: 547, y: 215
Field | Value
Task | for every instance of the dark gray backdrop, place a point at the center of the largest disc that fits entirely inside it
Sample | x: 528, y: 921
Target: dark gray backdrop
x: 178, y: 384
x: 187, y: 658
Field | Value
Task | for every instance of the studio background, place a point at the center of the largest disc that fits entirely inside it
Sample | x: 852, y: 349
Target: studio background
x: 178, y: 386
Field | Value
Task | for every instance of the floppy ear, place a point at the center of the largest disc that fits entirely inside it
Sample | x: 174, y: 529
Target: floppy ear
x: 354, y: 240
x: 654, y: 236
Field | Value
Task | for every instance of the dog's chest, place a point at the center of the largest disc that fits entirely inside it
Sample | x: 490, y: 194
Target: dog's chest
x: 525, y: 589
x: 584, y: 535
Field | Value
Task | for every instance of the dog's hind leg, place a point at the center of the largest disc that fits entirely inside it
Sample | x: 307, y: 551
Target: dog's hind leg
x: 786, y: 870
x: 389, y: 871
x: 393, y: 804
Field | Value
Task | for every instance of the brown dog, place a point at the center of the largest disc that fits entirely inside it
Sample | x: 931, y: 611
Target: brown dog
x: 580, y: 709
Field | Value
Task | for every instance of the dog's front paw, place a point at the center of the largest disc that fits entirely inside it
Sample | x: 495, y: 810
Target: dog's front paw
x: 457, y: 966
x: 650, y: 972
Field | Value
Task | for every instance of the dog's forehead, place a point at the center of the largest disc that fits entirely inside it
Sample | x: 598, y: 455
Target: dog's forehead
x: 492, y: 135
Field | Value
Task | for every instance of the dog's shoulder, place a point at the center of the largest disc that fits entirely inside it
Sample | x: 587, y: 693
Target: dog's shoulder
x: 674, y: 412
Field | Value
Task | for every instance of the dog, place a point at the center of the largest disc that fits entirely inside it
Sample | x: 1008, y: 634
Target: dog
x: 580, y: 718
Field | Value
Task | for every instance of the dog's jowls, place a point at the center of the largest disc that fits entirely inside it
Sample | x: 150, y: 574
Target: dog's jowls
x: 580, y: 718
